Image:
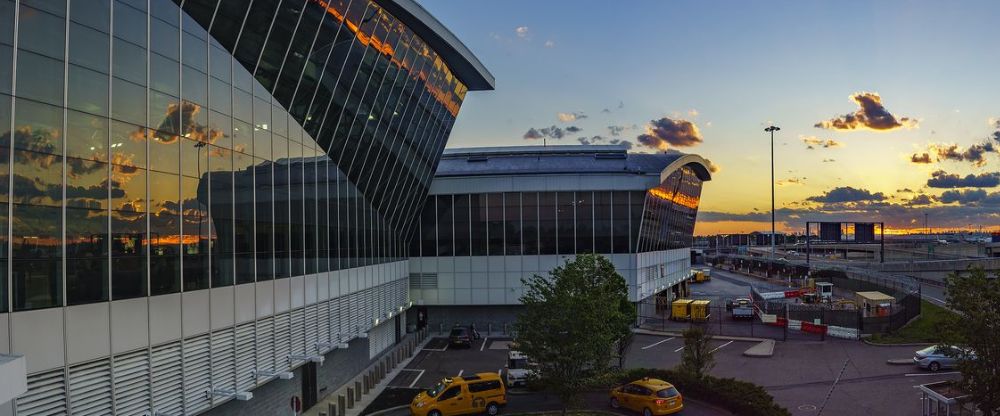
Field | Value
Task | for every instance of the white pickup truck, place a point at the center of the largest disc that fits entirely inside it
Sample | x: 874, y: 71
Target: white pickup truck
x: 519, y: 369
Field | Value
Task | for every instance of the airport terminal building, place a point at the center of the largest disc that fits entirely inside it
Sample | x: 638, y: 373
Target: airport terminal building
x: 495, y: 215
x: 200, y: 198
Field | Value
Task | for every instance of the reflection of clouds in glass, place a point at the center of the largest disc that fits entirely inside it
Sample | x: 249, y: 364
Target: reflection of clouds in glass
x: 192, y: 129
x: 76, y: 168
x: 37, y: 140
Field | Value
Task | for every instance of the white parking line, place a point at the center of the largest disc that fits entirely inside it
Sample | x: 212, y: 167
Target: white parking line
x: 656, y: 343
x: 717, y: 348
x: 437, y: 349
x: 414, y: 382
x: 932, y: 374
x: 681, y: 348
x: 484, y: 343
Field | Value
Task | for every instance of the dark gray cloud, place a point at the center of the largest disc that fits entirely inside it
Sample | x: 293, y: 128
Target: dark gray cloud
x: 942, y: 179
x: 666, y: 132
x: 847, y: 194
x: 616, y: 130
x: 533, y: 134
x: 871, y: 114
x: 921, y: 199
x: 829, y: 160
x: 976, y: 154
x: 922, y: 158
x: 551, y: 132
x: 603, y: 140
x: 573, y: 129
x: 965, y: 196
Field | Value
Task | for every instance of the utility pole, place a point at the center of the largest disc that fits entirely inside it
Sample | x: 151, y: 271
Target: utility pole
x: 771, y: 129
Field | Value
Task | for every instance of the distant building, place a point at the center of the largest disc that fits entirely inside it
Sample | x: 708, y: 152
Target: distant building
x: 496, y: 215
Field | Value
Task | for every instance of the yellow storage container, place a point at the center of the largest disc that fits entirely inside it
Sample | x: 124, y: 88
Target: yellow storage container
x: 681, y: 310
x: 700, y: 310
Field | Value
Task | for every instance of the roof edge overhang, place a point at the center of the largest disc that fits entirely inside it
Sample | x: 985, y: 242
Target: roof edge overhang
x: 697, y: 163
x: 460, y: 59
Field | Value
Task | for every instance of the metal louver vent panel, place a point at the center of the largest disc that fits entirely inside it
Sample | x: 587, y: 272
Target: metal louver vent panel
x: 312, y: 329
x: 197, y: 374
x: 223, y: 360
x: 298, y: 331
x: 245, y: 357
x: 423, y: 280
x: 323, y: 321
x: 282, y: 341
x: 265, y: 344
x: 90, y: 388
x: 46, y: 395
x: 168, y: 379
x: 131, y: 383
x: 338, y: 317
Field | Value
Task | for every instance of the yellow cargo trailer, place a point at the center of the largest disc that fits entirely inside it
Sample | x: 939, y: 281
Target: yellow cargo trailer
x: 700, y: 310
x: 681, y: 310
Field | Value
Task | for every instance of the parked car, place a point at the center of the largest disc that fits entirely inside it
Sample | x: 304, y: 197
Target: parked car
x: 460, y: 336
x: 482, y: 393
x: 519, y: 369
x: 937, y: 357
x: 649, y: 396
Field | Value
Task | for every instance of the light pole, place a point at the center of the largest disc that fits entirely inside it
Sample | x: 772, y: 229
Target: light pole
x: 771, y: 129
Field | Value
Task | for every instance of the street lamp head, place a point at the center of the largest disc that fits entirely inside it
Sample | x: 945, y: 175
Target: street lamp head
x: 772, y: 128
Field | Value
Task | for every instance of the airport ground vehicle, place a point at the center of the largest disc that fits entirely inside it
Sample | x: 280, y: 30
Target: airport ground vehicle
x: 482, y: 393
x: 680, y: 309
x: 740, y: 308
x: 519, y: 369
x: 649, y: 396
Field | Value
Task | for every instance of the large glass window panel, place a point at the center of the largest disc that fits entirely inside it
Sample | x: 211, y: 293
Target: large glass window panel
x: 529, y: 221
x: 130, y: 24
x: 36, y: 245
x: 86, y: 255
x: 194, y: 236
x: 7, y: 23
x: 242, y: 105
x: 37, y: 178
x: 166, y: 151
x: 220, y: 63
x: 285, y: 21
x: 602, y: 222
x: 164, y: 233
x: 298, y: 51
x: 220, y: 162
x: 164, y: 39
x: 195, y: 86
x: 428, y: 225
x: 88, y: 90
x: 512, y: 223
x: 93, y: 13
x: 282, y: 224
x: 263, y: 218
x: 620, y: 222
x: 163, y: 113
x: 220, y: 96
x: 128, y: 145
x: 566, y: 219
x: 41, y: 32
x: 244, y: 219
x: 86, y: 136
x: 462, y: 231
x: 477, y: 208
x: 39, y: 77
x: 37, y: 127
x: 547, y: 226
x: 195, y: 52
x: 584, y: 223
x: 89, y: 47
x: 445, y: 226
x: 495, y: 229
x: 86, y: 183
x: 221, y: 129
x: 164, y: 74
x: 251, y: 41
x: 242, y: 78
x: 165, y: 10
x: 6, y: 68
x: 128, y: 254
x: 242, y: 137
x: 129, y: 62
x: 636, y: 205
x: 128, y: 101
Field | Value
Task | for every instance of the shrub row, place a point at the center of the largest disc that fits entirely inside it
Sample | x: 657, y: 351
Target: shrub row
x: 739, y: 397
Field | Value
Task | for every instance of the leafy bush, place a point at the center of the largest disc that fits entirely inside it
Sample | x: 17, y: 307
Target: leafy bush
x: 739, y: 397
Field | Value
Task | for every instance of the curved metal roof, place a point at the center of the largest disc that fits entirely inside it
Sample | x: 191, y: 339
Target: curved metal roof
x: 528, y: 160
x: 460, y: 59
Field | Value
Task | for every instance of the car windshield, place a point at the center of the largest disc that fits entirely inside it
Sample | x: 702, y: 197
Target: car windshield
x: 667, y: 393
x: 434, y: 391
x: 518, y: 363
x: 457, y: 332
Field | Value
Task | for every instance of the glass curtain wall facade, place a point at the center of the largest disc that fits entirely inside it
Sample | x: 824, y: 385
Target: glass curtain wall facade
x: 150, y: 147
x: 544, y: 223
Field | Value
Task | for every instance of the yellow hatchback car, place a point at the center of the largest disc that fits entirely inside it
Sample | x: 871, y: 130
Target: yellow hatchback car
x: 650, y: 396
x: 473, y: 394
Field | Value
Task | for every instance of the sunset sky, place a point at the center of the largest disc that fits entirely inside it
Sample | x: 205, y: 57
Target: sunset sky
x: 888, y: 110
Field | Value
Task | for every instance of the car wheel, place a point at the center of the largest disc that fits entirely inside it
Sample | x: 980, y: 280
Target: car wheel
x: 647, y: 412
x: 934, y: 366
x: 615, y: 404
x: 434, y: 413
x: 492, y: 409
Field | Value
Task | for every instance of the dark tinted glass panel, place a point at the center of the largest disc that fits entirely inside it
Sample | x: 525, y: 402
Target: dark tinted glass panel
x: 164, y: 233
x: 128, y: 254
x: 128, y: 145
x: 495, y: 229
x: 547, y: 225
x: 220, y: 96
x: 38, y: 127
x: 164, y: 74
x: 584, y: 223
x: 86, y: 255
x: 166, y: 151
x: 40, y: 78
x: 221, y: 64
x: 567, y: 238
x: 242, y: 105
x: 87, y: 136
x: 220, y: 164
x: 445, y: 226
x: 93, y: 13
x: 41, y: 32
x: 37, y: 178
x: 129, y: 62
x: 529, y: 222
x: 36, y: 244
x: 620, y: 222
x: 462, y: 231
x: 195, y: 86
x: 89, y: 47
x: 512, y: 223
x: 163, y: 113
x: 477, y: 207
x: 428, y: 225
x: 86, y: 183
x: 244, y: 220
x: 602, y: 222
x: 194, y: 227
x: 88, y: 90
x: 128, y: 101
x: 7, y: 22
x: 195, y: 52
x: 130, y: 24
x: 636, y: 204
x: 6, y: 68
x: 264, y: 222
x: 165, y: 10
x: 164, y: 39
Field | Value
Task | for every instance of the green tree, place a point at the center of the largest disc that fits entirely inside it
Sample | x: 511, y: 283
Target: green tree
x: 697, y: 357
x: 571, y: 323
x: 976, y: 329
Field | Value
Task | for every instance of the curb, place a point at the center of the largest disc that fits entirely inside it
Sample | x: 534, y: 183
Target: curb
x: 764, y: 345
x: 678, y: 334
x: 914, y: 344
x: 386, y: 411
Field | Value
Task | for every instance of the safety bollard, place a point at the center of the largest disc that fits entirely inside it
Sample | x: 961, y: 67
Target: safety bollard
x: 366, y: 385
x: 357, y: 391
x: 331, y: 409
x: 350, y: 397
x: 341, y: 405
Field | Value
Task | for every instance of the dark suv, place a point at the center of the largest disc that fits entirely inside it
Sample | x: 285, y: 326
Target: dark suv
x: 460, y: 335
